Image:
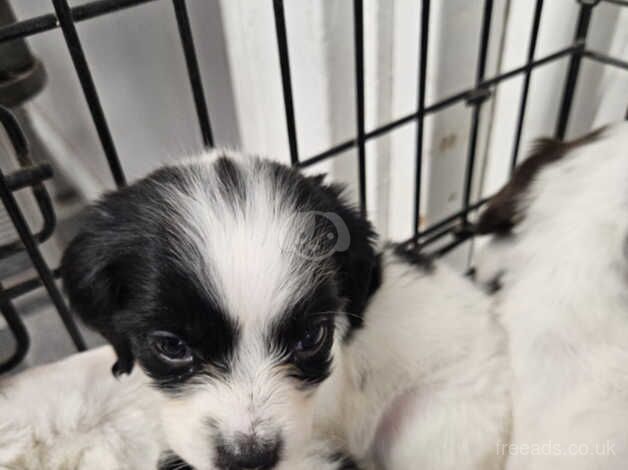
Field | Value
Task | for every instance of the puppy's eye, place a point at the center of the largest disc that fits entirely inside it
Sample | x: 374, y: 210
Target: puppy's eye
x: 170, y: 348
x: 314, y: 338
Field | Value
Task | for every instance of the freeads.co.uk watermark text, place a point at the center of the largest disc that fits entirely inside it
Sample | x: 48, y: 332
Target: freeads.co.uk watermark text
x: 550, y: 448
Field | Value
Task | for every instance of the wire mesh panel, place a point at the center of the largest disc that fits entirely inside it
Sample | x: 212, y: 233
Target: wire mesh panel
x: 456, y: 224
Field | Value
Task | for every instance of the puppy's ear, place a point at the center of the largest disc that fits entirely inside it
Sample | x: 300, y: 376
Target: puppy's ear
x: 94, y: 269
x: 359, y: 267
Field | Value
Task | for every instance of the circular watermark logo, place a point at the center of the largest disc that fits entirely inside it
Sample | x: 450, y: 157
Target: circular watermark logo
x: 320, y: 236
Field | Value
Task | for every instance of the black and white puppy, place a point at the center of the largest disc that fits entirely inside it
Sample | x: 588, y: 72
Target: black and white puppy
x: 559, y: 251
x: 240, y: 286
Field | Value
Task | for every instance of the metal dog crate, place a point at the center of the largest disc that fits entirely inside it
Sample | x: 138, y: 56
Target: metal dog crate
x: 456, y: 225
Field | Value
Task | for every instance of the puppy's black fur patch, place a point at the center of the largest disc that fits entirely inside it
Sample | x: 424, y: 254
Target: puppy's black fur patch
x: 504, y: 210
x: 123, y: 277
x: 182, y: 307
x: 232, y: 186
x: 321, y: 306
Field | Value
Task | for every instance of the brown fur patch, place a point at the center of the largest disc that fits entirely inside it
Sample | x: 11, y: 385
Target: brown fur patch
x: 503, y: 210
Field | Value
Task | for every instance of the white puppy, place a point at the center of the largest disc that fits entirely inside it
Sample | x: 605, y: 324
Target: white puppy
x: 560, y: 254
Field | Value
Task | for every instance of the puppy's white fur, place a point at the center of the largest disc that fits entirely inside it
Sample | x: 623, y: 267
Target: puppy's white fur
x: 425, y: 384
x: 564, y: 304
x: 73, y: 415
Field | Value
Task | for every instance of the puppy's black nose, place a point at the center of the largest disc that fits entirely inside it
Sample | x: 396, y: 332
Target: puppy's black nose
x: 249, y: 452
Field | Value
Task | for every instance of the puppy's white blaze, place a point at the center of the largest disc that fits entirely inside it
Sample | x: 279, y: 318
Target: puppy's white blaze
x: 249, y: 249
